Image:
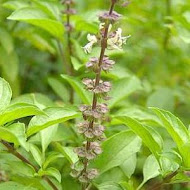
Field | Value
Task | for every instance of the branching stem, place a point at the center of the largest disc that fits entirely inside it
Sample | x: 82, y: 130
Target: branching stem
x: 167, y: 179
x: 11, y: 149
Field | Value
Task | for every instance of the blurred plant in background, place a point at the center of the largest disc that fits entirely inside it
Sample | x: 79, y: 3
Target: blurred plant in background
x: 37, y: 45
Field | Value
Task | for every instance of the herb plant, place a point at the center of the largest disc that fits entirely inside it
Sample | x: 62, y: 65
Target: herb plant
x: 95, y: 113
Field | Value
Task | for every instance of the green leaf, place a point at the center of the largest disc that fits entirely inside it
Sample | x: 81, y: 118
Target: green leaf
x: 36, y: 183
x: 78, y: 51
x: 78, y: 87
x: 170, y: 162
x: 123, y: 88
x: 67, y: 152
x: 149, y: 136
x: 39, y: 38
x: 38, y: 18
x: 5, y: 94
x: 36, y: 153
x: 59, y: 89
x: 6, y: 40
x: 165, y: 97
x: 177, y: 131
x: 114, y: 175
x: 8, y: 136
x: 127, y: 185
x: 16, y: 186
x: 19, y: 130
x: 13, y: 5
x: 51, y: 172
x: 53, y: 116
x: 37, y: 99
x: 47, y: 135
x: 9, y: 63
x: 76, y: 63
x: 51, y: 158
x: 151, y: 170
x: 140, y: 114
x: 82, y: 25
x: 21, y: 168
x: 50, y: 8
x: 174, y: 126
x: 116, y: 150
x: 17, y: 111
x: 109, y: 186
x: 129, y: 165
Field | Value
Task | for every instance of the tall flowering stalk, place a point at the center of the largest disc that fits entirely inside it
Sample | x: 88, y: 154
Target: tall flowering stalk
x: 68, y: 12
x: 93, y: 115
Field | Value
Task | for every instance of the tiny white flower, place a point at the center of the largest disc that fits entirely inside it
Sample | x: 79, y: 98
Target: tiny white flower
x: 102, y: 25
x: 92, y: 40
x: 117, y: 40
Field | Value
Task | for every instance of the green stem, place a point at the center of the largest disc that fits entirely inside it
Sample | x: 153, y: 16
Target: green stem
x: 165, y: 180
x: 71, y: 70
x: 167, y: 35
x: 67, y: 68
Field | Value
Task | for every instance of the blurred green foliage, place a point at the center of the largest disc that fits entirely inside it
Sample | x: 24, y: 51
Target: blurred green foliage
x: 153, y: 70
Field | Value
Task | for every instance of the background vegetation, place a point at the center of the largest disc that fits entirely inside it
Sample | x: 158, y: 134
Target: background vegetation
x: 151, y: 71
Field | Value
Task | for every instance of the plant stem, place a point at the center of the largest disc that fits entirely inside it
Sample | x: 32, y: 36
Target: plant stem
x: 63, y: 57
x: 71, y: 70
x: 97, y: 80
x: 25, y: 160
x: 165, y: 180
x: 67, y: 69
x: 168, y: 12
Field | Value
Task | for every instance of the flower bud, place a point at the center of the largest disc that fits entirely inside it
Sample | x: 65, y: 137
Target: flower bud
x: 67, y: 2
x: 114, y: 16
x: 78, y: 166
x: 92, y: 173
x: 68, y: 27
x: 98, y: 130
x: 107, y: 64
x: 83, y: 127
x: 102, y: 108
x: 80, y: 151
x: 75, y: 173
x: 69, y: 12
x: 95, y: 147
x: 83, y: 178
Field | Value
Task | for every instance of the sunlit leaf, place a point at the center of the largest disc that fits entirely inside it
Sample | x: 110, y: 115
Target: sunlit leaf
x: 51, y: 172
x: 53, y: 116
x: 19, y: 110
x: 177, y: 131
x: 152, y: 140
x: 19, y: 130
x: 16, y: 186
x: 78, y: 87
x: 8, y: 136
x: 5, y: 94
x: 37, y: 154
x: 123, y: 88
x: 116, y: 150
x: 151, y: 169
x: 37, y: 17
